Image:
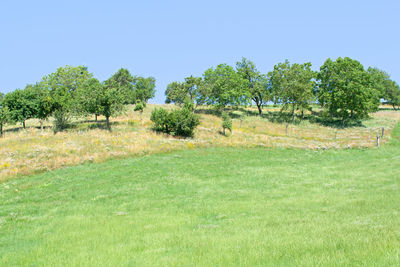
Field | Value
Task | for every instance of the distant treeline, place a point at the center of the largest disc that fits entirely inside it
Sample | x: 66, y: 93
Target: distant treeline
x: 343, y: 88
x: 71, y: 92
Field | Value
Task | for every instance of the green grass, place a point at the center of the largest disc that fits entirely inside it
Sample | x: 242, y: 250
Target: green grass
x: 207, y: 207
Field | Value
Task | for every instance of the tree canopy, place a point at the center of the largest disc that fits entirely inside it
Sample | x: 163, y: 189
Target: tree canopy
x: 292, y: 85
x: 346, y: 89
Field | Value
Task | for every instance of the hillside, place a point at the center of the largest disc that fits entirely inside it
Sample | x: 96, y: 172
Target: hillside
x: 29, y: 151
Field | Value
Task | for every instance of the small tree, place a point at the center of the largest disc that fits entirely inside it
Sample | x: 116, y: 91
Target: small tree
x: 191, y: 90
x: 21, y: 104
x: 293, y: 85
x: 140, y: 107
x: 63, y: 86
x: 88, y: 97
x: 111, y: 101
x: 224, y: 86
x: 43, y: 103
x: 123, y: 82
x: 144, y: 89
x: 257, y: 83
x: 226, y: 122
x: 4, y: 118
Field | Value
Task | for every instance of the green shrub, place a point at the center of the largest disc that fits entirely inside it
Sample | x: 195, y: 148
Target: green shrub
x: 226, y: 122
x: 179, y: 122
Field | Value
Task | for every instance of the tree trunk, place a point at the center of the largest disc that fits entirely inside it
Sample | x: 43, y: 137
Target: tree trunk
x: 293, y: 113
x: 95, y: 117
x: 141, y: 115
x: 23, y: 124
x: 108, y: 122
x: 1, y: 130
x: 259, y: 109
x: 41, y: 126
x: 302, y: 114
x: 351, y: 113
x: 224, y: 131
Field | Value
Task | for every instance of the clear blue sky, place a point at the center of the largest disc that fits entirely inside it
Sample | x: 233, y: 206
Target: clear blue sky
x: 174, y: 39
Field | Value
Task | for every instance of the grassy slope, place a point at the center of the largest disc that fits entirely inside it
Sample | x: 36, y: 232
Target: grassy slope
x: 206, y: 207
x: 26, y: 152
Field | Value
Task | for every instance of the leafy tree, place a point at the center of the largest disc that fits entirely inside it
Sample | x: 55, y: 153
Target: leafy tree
x: 293, y: 85
x: 346, y: 89
x: 21, y: 104
x: 123, y: 82
x: 225, y: 86
x: 89, y: 97
x: 226, y: 122
x: 144, y: 89
x: 63, y: 85
x: 190, y: 90
x: 5, y: 116
x: 380, y: 80
x: 393, y: 94
x: 112, y: 100
x: 387, y: 88
x: 43, y: 102
x: 140, y: 107
x: 257, y: 84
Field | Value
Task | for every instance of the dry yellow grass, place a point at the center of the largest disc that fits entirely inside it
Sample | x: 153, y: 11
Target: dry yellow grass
x: 29, y: 151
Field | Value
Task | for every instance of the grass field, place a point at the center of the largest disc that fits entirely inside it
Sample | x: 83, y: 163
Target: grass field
x: 210, y: 207
x: 29, y: 151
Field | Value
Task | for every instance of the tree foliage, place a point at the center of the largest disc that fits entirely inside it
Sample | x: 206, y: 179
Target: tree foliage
x: 225, y: 86
x: 226, y: 122
x: 122, y: 81
x: 5, y: 116
x: 292, y: 85
x: 257, y: 83
x: 144, y: 89
x: 189, y: 90
x: 21, y: 104
x: 63, y: 86
x: 346, y: 89
x: 178, y: 122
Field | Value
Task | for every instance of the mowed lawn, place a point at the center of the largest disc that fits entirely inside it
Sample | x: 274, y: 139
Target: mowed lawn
x: 207, y: 207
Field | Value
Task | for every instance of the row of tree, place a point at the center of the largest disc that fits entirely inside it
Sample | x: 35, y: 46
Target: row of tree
x: 344, y: 88
x: 72, y: 92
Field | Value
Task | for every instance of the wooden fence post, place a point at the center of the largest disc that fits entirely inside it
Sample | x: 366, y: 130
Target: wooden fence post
x: 377, y: 140
x: 383, y: 131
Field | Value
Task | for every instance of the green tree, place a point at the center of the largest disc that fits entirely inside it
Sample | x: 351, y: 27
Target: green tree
x: 225, y: 87
x: 387, y: 88
x: 43, y: 102
x: 346, y: 89
x: 393, y: 94
x: 293, y: 85
x: 111, y: 100
x: 190, y: 90
x: 226, y: 122
x: 5, y: 116
x: 144, y: 89
x: 63, y: 85
x: 21, y: 104
x: 257, y: 83
x: 140, y: 107
x: 123, y: 82
x: 88, y: 97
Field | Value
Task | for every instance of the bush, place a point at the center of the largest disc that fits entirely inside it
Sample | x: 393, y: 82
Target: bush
x: 179, y: 122
x: 226, y: 122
